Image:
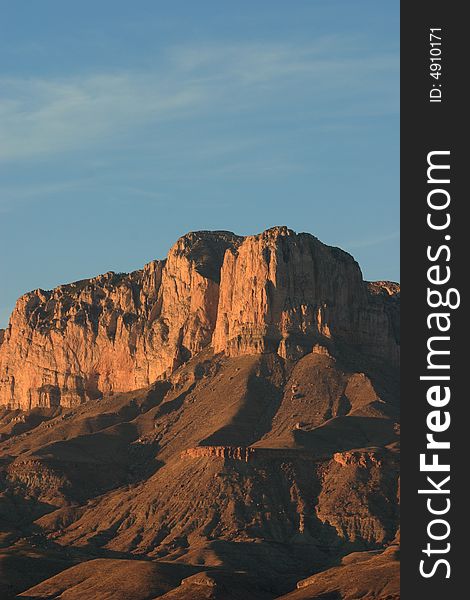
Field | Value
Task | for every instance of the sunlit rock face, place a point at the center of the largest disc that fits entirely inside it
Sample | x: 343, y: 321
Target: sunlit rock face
x: 278, y: 292
x: 281, y: 291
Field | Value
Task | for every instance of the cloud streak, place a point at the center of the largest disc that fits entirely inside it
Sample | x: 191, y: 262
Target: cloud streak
x: 374, y: 241
x: 49, y: 116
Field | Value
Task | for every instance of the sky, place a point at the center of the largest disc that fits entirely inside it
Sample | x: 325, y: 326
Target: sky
x: 124, y: 125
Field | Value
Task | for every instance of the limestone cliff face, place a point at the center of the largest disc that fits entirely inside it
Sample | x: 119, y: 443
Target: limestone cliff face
x: 277, y: 291
x: 115, y: 332
x: 73, y: 343
x: 284, y: 292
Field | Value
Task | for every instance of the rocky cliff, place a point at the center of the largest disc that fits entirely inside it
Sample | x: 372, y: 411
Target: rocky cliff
x: 283, y: 292
x: 276, y: 292
x: 220, y: 424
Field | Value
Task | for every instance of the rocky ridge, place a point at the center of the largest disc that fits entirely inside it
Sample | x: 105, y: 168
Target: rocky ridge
x: 223, y: 424
x: 274, y: 292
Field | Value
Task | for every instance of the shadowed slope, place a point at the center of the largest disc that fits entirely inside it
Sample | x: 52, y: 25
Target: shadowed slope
x: 110, y: 579
x: 366, y: 575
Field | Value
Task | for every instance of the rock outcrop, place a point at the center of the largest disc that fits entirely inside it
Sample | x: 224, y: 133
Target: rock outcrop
x: 284, y: 292
x: 115, y: 332
x: 242, y: 453
x: 274, y: 292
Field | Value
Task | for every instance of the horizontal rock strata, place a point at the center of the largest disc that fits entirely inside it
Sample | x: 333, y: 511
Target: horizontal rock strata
x: 242, y: 453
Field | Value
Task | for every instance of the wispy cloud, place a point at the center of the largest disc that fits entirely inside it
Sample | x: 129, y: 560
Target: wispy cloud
x: 40, y: 117
x: 12, y: 196
x: 50, y: 116
x: 22, y: 193
x: 373, y: 241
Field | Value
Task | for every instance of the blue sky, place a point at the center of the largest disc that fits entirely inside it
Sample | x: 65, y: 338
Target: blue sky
x: 123, y: 125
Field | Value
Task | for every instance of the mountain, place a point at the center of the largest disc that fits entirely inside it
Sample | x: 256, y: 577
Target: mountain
x: 220, y: 424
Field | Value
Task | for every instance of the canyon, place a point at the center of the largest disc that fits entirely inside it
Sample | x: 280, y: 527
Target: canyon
x: 223, y: 423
